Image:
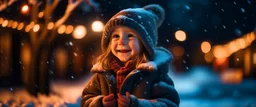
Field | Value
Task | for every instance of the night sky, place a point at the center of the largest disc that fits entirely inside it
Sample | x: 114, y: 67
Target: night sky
x: 217, y: 21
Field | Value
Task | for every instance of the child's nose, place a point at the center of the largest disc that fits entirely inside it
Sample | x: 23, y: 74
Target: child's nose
x: 122, y: 41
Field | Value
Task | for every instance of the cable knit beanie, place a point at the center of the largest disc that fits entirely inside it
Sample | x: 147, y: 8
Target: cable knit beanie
x: 145, y: 21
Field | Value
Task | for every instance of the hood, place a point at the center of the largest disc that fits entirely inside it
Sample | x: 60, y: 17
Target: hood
x: 162, y: 58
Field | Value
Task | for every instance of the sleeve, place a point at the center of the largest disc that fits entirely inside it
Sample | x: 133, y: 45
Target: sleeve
x: 163, y: 95
x: 91, y: 96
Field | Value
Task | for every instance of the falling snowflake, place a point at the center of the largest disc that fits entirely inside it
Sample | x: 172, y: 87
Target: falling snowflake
x: 242, y: 9
x: 139, y: 17
x: 224, y: 26
x: 167, y: 40
x: 187, y: 68
x: 75, y: 54
x: 187, y: 7
x: 70, y: 43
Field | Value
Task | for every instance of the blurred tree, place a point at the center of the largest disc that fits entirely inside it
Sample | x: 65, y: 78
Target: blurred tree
x: 41, y: 41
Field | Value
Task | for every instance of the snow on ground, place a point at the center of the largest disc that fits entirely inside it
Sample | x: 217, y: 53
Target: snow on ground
x: 199, y: 87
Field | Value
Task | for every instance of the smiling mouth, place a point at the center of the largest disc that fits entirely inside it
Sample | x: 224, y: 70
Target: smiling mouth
x: 123, y: 51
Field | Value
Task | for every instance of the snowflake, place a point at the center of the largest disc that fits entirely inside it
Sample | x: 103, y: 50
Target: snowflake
x: 224, y: 26
x: 70, y: 43
x: 242, y: 9
x: 187, y: 68
x: 139, y: 17
x: 75, y: 54
x: 187, y: 7
x: 167, y: 40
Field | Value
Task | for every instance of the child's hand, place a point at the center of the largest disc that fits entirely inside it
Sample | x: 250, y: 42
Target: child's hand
x: 109, y: 101
x: 123, y: 101
x: 150, y: 66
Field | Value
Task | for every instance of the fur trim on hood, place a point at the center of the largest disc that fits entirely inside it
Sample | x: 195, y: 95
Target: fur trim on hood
x: 162, y: 57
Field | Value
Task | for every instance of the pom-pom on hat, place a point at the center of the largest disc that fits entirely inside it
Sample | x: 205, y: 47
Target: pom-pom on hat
x: 145, y: 21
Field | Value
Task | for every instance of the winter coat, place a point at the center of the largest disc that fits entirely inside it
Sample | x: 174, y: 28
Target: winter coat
x: 148, y: 88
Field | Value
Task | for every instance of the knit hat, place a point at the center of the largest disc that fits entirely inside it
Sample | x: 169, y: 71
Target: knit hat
x: 144, y: 21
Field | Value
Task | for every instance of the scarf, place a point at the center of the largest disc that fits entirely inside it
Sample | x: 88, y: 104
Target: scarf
x: 121, y: 71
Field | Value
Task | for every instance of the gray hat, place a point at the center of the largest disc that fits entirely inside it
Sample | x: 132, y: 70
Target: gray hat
x: 144, y: 21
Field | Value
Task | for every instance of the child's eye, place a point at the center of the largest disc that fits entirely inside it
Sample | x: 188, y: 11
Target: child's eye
x: 115, y: 36
x: 130, y: 35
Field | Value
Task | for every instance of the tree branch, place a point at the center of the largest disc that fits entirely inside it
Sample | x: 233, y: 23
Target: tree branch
x: 70, y: 7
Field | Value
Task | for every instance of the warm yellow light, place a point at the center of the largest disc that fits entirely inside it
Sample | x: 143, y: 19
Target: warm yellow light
x: 61, y: 29
x: 32, y: 24
x: 220, y: 52
x: 232, y: 47
x: 20, y: 26
x: 5, y: 23
x: 205, y: 47
x: 180, y: 35
x: 97, y: 26
x: 36, y: 27
x: 27, y: 28
x: 241, y: 43
x: 25, y: 54
x: 254, y: 58
x: 14, y: 25
x: 69, y: 29
x: 10, y: 23
x: 1, y: 20
x: 50, y: 25
x: 178, y: 51
x: 252, y: 35
x: 232, y: 76
x: 24, y: 9
x: 79, y: 32
x: 208, y: 57
x: 40, y: 14
x: 61, y: 59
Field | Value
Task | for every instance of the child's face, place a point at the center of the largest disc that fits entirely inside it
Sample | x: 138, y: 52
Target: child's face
x: 125, y: 43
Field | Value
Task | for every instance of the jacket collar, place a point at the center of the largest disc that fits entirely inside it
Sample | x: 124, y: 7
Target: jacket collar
x: 162, y: 57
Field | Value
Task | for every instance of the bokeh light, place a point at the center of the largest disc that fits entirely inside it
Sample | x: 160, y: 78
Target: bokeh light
x: 36, y: 28
x: 69, y: 29
x: 180, y: 35
x: 205, y: 47
x: 5, y: 23
x: 79, y: 32
x: 50, y: 25
x: 97, y: 26
x: 61, y: 29
x: 25, y: 9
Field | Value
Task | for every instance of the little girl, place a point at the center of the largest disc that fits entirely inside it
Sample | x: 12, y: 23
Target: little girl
x: 132, y: 71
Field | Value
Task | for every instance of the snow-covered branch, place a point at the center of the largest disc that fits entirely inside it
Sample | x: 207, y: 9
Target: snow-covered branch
x: 70, y: 7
